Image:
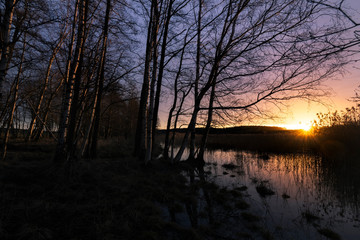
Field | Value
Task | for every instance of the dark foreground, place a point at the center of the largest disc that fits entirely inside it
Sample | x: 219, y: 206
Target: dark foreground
x: 114, y: 197
x: 117, y: 197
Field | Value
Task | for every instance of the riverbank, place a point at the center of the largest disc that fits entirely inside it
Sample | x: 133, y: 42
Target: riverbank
x: 336, y: 142
x: 115, y: 197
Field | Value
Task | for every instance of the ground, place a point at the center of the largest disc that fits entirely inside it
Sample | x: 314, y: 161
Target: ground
x: 112, y: 197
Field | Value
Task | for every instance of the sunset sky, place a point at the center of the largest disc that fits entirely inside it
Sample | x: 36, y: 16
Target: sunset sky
x: 299, y: 114
x: 296, y: 114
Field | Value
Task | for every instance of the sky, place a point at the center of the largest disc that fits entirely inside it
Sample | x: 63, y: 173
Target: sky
x: 300, y: 114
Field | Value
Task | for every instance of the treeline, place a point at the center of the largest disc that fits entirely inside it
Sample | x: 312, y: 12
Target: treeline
x: 65, y: 70
x: 349, y: 117
x: 236, y: 130
x: 338, y: 132
x: 83, y: 68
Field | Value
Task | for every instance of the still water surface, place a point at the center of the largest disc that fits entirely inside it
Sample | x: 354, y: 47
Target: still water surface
x: 302, y: 183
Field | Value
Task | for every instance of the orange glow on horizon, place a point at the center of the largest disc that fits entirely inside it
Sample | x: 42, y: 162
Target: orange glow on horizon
x: 299, y: 126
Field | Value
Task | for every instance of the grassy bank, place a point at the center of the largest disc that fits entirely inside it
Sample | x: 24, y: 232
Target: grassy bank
x: 286, y: 141
x: 279, y: 141
x: 331, y: 142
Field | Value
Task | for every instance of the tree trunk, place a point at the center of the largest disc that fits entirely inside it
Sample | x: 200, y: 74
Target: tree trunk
x: 197, y: 79
x: 11, y: 116
x: 43, y: 89
x: 60, y: 154
x: 150, y: 117
x: 219, y: 55
x: 200, y: 156
x: 93, y: 149
x: 42, y: 123
x: 140, y: 135
x: 175, y: 123
x: 172, y: 109
x: 5, y: 28
x: 187, y: 133
x: 77, y: 76
x: 161, y: 72
x: 196, y: 110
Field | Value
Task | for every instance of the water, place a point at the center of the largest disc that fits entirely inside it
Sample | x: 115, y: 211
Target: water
x: 309, y: 195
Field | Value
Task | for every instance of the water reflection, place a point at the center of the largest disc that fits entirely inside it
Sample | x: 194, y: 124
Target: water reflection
x: 297, y: 196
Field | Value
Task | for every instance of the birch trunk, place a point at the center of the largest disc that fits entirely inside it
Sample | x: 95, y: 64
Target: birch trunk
x: 46, y: 111
x: 150, y: 117
x: 67, y: 96
x: 13, y: 107
x: 43, y: 89
x: 77, y: 76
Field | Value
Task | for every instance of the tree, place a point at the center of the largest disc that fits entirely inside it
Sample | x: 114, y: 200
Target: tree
x: 60, y: 154
x: 267, y: 52
x: 14, y: 101
x: 36, y: 110
x: 5, y: 28
x: 143, y: 133
x: 100, y: 82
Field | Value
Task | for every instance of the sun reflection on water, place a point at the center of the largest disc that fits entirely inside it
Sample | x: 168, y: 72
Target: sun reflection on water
x: 301, y: 184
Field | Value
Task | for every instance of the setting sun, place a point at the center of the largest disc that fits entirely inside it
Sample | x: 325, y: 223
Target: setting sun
x: 299, y: 126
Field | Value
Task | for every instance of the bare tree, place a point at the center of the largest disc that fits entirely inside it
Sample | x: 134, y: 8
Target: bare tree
x: 161, y: 70
x: 15, y: 92
x: 67, y: 94
x: 6, y: 18
x: 173, y: 106
x: 44, y: 86
x: 267, y: 51
x: 141, y: 137
x: 100, y: 82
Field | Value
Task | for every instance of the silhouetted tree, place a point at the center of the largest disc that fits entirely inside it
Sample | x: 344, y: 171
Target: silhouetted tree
x: 267, y: 52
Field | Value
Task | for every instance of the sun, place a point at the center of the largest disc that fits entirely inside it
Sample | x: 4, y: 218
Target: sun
x: 306, y: 128
x: 299, y: 126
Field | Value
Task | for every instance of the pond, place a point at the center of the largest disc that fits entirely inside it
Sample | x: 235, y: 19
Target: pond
x: 297, y: 196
